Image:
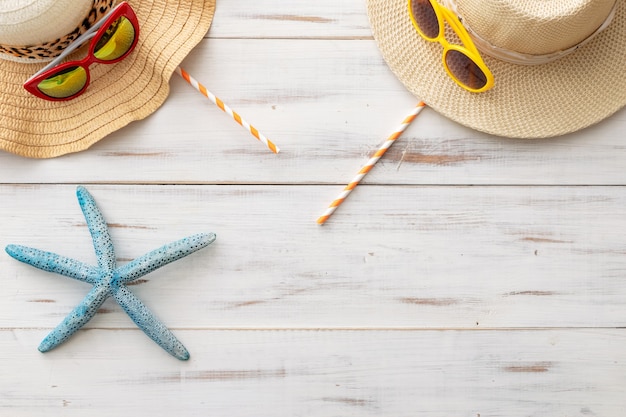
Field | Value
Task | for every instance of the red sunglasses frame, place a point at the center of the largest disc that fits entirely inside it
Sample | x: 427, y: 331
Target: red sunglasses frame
x: 121, y: 10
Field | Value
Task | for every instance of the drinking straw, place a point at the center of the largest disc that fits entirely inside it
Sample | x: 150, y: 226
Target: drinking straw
x: 371, y: 162
x: 219, y: 103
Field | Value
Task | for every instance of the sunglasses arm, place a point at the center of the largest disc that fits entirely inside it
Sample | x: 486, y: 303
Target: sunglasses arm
x: 90, y: 33
x: 459, y: 29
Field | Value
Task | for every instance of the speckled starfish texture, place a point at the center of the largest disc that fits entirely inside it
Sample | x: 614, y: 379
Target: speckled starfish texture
x: 109, y: 280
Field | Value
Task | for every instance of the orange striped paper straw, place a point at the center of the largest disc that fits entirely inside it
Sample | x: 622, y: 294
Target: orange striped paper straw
x: 219, y: 103
x: 371, y: 162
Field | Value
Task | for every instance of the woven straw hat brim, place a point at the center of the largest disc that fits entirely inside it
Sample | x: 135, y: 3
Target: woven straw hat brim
x: 526, y: 101
x: 118, y: 94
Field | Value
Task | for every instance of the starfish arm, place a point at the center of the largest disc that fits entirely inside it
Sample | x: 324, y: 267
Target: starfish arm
x: 99, y: 230
x: 147, y: 322
x: 51, y: 262
x: 162, y: 256
x: 77, y: 318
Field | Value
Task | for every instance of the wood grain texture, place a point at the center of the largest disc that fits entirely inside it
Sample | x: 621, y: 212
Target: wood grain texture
x: 468, y: 275
x: 399, y: 257
x: 319, y: 373
x: 270, y: 19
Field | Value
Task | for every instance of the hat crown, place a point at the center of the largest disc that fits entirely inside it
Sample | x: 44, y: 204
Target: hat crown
x: 533, y: 27
x: 32, y: 22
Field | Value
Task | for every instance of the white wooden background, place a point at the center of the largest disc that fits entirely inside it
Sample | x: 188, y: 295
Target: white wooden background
x: 469, y: 275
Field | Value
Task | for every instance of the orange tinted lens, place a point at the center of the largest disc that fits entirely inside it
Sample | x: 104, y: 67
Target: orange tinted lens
x: 116, y: 41
x: 465, y: 70
x: 65, y: 83
x: 425, y: 17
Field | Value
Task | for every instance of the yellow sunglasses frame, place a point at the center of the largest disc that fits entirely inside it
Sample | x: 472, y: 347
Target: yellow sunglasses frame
x: 468, y: 48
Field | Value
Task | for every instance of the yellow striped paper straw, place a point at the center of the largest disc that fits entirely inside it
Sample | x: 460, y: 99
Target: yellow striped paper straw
x: 219, y: 103
x: 371, y: 162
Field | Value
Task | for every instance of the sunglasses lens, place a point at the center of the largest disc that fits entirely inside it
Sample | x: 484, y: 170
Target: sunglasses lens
x: 465, y: 70
x: 425, y: 17
x: 65, y: 83
x: 116, y: 41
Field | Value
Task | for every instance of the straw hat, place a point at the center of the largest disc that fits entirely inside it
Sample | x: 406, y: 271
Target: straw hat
x: 32, y: 32
x: 558, y: 65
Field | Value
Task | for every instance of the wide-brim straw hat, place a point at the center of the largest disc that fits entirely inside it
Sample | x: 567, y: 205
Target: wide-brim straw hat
x: 558, y: 65
x: 118, y: 93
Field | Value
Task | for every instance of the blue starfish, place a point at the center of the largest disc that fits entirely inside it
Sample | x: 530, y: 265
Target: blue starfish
x: 109, y: 280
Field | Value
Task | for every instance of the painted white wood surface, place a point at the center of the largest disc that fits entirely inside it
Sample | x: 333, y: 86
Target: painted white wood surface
x: 391, y: 257
x: 322, y: 373
x: 468, y: 275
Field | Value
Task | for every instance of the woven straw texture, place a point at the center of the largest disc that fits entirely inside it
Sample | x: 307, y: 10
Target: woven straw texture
x: 36, y: 16
x: 507, y: 20
x: 118, y: 94
x: 526, y: 101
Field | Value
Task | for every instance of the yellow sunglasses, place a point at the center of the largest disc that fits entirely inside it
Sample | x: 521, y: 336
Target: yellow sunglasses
x: 462, y: 62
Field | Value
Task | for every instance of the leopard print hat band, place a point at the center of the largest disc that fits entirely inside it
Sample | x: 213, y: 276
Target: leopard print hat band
x: 40, y: 31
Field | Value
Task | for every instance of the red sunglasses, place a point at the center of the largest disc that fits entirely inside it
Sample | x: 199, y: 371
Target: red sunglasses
x: 112, y: 39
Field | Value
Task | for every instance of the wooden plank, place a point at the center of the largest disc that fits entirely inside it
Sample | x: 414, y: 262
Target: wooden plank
x: 402, y: 257
x: 327, y: 106
x: 319, y: 373
x: 270, y: 19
